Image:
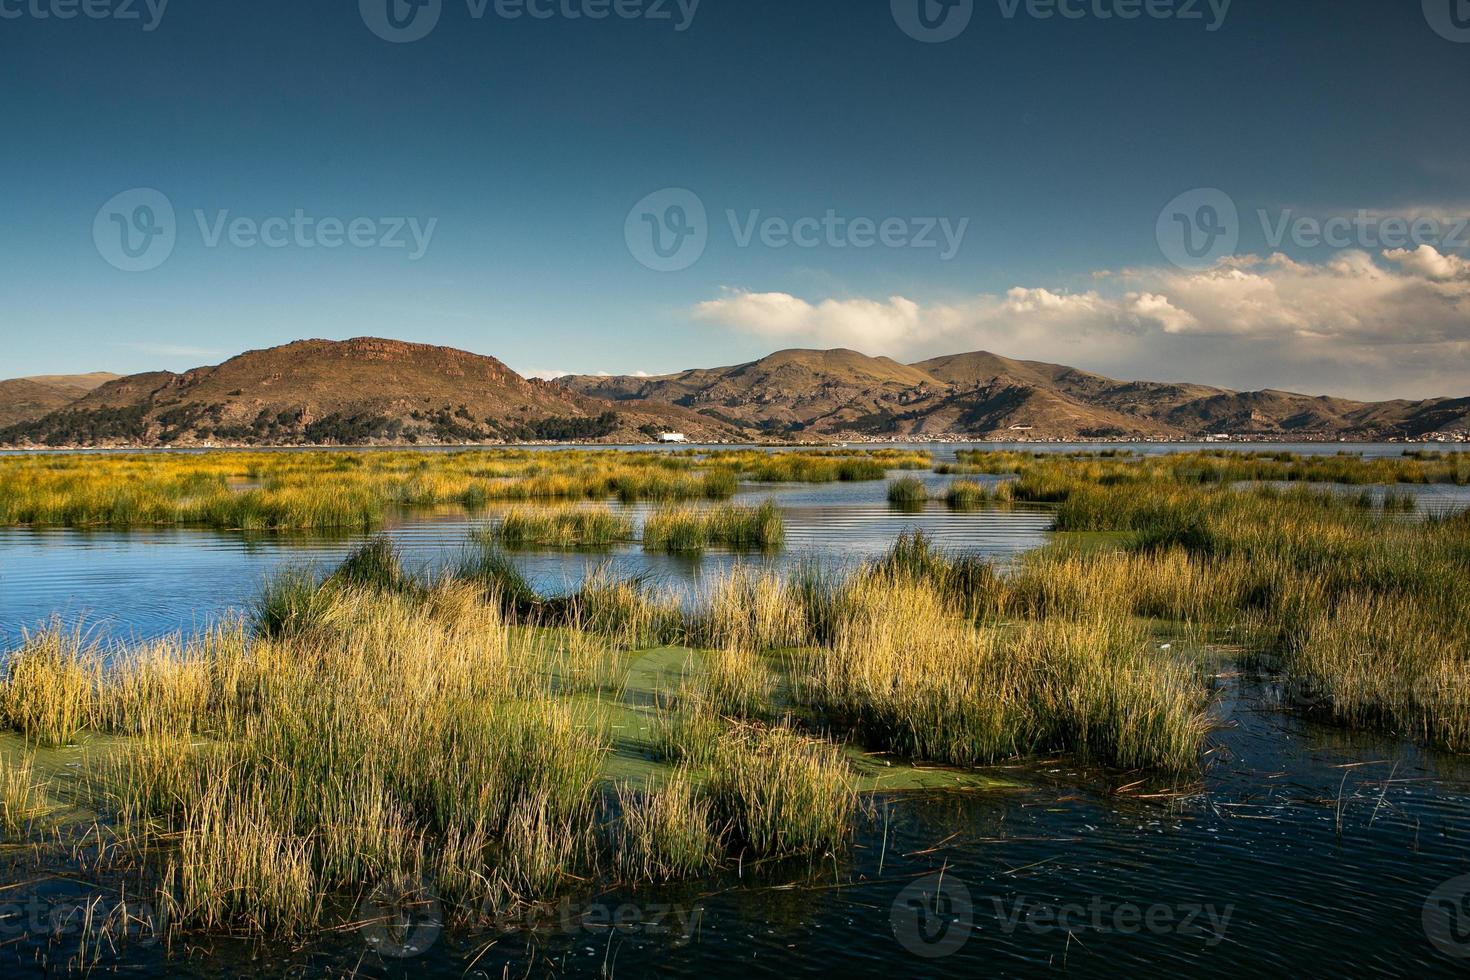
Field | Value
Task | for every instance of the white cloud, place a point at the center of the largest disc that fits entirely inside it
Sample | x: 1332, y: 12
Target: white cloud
x: 1426, y: 261
x: 1352, y: 325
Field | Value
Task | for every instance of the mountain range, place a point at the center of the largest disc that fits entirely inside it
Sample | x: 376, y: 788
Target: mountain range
x: 842, y: 393
x: 375, y: 391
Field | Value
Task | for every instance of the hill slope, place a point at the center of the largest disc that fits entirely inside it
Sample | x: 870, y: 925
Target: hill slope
x: 24, y: 399
x: 982, y: 395
x: 358, y: 391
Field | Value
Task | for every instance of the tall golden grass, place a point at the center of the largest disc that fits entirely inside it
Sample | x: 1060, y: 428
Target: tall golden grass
x: 316, y: 491
x: 372, y: 730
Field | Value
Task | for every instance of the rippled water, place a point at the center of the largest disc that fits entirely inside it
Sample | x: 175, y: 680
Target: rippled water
x: 1301, y: 849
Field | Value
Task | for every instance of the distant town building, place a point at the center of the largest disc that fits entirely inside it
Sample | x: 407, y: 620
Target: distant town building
x: 673, y: 437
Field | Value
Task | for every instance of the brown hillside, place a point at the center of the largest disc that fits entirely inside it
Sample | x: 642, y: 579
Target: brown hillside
x: 24, y: 399
x: 355, y: 391
x: 982, y: 395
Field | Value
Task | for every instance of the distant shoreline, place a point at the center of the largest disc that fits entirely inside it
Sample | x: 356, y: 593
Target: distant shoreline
x: 674, y: 447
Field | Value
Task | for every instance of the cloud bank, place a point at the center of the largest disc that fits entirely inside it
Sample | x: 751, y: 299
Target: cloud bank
x: 1394, y: 325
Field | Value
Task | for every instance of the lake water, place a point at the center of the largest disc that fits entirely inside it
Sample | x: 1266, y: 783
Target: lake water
x: 1300, y: 848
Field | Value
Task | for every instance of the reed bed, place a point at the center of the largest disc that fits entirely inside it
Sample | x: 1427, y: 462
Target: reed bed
x: 524, y: 527
x: 782, y: 793
x: 664, y: 830
x: 690, y: 530
x: 1223, y: 466
x: 375, y: 730
x: 322, y: 491
x: 1360, y: 609
x: 821, y: 466
x: 908, y: 673
x: 970, y: 495
x: 908, y: 492
x: 22, y: 797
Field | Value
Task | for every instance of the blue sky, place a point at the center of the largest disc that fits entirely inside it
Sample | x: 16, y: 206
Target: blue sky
x: 524, y: 143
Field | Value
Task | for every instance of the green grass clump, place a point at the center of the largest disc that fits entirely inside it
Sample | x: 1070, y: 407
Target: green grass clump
x: 49, y: 691
x: 966, y: 495
x: 687, y: 530
x: 664, y: 830
x: 374, y: 565
x: 907, y: 492
x: 825, y: 466
x: 22, y: 797
x: 560, y: 528
x: 909, y: 673
x: 782, y: 793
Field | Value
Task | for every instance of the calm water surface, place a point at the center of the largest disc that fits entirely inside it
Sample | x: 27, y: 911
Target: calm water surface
x: 1300, y: 850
